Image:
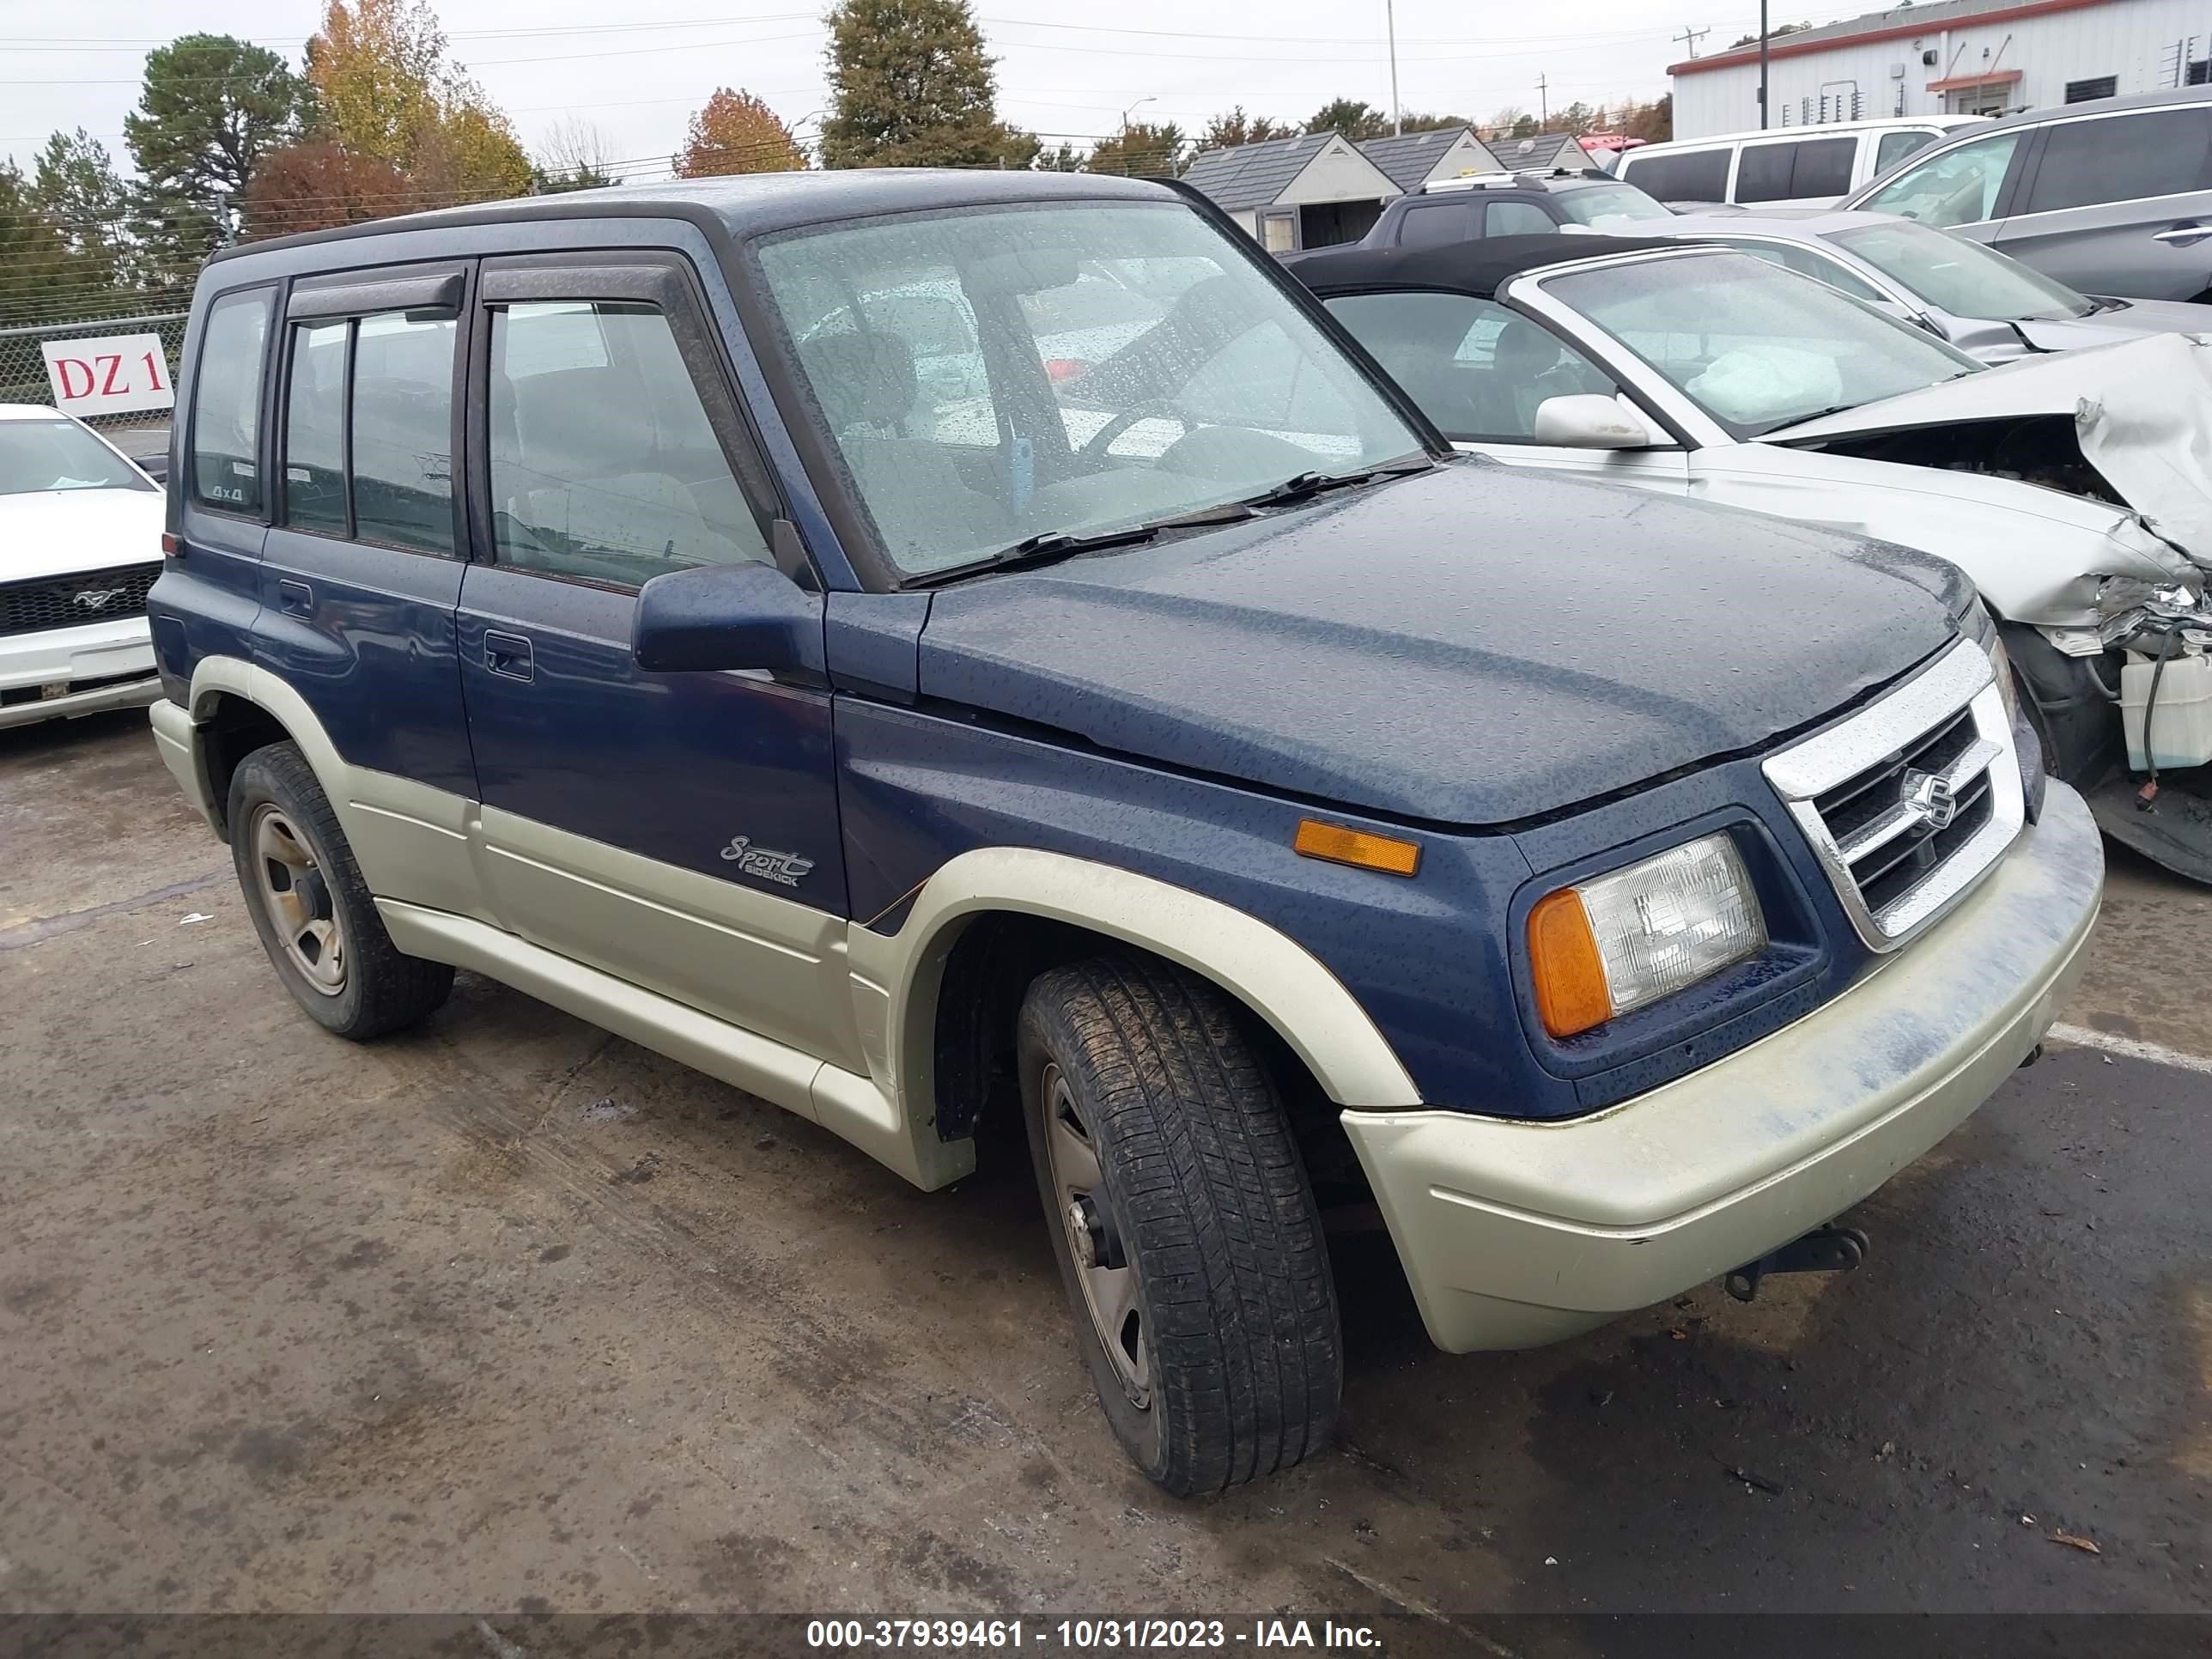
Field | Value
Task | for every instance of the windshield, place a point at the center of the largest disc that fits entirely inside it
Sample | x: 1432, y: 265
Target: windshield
x: 1606, y: 207
x: 1756, y: 347
x: 1961, y: 276
x: 992, y: 376
x: 40, y: 455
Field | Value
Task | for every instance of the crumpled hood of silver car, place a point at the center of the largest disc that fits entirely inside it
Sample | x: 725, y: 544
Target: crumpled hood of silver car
x: 2143, y: 412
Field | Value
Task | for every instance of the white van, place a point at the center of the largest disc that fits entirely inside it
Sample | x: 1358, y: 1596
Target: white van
x: 1782, y: 167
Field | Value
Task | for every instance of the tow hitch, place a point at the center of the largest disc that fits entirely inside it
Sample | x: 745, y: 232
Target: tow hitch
x: 1823, y: 1250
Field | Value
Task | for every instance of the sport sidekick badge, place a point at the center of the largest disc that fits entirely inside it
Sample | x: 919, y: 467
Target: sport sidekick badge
x: 783, y: 868
x: 1930, y: 797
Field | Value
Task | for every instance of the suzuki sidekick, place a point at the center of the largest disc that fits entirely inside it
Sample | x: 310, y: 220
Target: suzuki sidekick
x: 928, y: 648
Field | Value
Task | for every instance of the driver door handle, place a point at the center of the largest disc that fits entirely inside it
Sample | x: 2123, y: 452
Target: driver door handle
x: 508, y: 654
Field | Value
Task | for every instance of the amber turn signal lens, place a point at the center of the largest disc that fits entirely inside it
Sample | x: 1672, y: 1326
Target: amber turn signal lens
x: 1571, y: 993
x: 1339, y: 845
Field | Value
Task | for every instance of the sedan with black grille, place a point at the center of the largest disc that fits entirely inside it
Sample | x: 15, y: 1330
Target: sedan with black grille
x: 80, y: 546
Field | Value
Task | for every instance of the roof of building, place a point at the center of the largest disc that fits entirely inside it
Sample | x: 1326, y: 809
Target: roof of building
x: 1477, y: 267
x: 1541, y: 153
x: 1898, y: 21
x: 751, y: 203
x: 1254, y: 175
x: 1407, y: 158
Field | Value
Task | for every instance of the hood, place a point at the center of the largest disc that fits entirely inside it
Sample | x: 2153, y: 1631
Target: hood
x: 2142, y: 410
x: 2126, y: 319
x: 58, y: 532
x: 1470, y: 646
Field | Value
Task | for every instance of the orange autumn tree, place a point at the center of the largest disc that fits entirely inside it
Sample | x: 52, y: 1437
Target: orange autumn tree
x: 736, y: 132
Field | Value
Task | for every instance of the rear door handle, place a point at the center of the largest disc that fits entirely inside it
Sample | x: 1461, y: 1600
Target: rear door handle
x: 2183, y: 235
x: 508, y: 654
x: 296, y: 599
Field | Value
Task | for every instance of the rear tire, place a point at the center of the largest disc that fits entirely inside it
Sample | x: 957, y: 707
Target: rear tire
x: 1187, y: 1233
x: 312, y: 909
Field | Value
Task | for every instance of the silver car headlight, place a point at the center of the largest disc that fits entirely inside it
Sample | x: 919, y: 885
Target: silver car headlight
x: 1618, y: 942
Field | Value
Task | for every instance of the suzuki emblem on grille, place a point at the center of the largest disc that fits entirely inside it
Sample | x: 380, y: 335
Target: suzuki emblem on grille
x: 97, y: 598
x: 1931, y: 798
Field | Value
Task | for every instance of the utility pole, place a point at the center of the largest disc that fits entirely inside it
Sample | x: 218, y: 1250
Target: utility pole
x: 1390, y: 23
x: 1689, y: 37
x: 1762, y: 65
x: 1543, y: 101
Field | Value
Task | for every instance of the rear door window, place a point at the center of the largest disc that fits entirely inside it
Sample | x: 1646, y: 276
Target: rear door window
x: 314, y: 431
x: 1698, y: 176
x: 1763, y: 175
x: 2123, y: 158
x: 1824, y: 167
x: 402, y: 431
x: 227, y: 403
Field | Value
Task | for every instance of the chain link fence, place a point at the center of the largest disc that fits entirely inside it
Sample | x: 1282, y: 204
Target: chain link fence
x: 23, y: 365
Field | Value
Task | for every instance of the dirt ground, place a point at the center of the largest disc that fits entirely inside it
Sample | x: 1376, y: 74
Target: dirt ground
x: 509, y: 1315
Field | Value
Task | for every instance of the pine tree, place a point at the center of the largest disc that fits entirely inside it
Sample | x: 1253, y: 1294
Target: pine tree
x: 910, y: 85
x: 210, y: 108
x: 75, y: 194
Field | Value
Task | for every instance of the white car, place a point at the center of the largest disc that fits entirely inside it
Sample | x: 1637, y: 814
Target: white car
x: 1987, y: 305
x: 2076, y: 488
x: 80, y: 546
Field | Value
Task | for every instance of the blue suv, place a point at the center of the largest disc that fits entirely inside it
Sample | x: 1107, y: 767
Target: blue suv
x: 767, y: 618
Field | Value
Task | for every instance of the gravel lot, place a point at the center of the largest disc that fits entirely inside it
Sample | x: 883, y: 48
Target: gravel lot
x: 509, y: 1315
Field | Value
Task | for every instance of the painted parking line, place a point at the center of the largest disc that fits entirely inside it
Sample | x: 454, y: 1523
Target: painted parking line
x: 2081, y: 1036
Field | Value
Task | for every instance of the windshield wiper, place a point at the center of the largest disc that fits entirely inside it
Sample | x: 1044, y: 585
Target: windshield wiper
x: 1300, y: 485
x: 1049, y: 547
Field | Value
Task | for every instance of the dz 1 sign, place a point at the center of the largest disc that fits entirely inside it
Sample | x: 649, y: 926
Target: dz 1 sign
x: 108, y: 376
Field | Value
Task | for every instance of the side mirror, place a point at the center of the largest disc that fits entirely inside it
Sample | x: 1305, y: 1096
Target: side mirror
x: 726, y: 615
x: 1589, y: 420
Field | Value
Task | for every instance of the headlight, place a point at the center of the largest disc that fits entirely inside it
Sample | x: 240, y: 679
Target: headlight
x: 1981, y: 629
x: 1618, y: 942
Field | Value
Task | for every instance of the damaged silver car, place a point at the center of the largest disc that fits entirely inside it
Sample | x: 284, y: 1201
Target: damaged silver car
x: 2076, y: 488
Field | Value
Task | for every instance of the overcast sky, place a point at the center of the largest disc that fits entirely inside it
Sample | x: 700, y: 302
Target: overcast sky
x: 1062, y: 71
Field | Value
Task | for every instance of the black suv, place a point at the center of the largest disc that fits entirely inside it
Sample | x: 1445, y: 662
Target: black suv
x: 1512, y: 205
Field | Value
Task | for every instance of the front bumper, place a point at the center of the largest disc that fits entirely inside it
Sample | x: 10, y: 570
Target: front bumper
x: 118, y: 655
x: 1514, y: 1234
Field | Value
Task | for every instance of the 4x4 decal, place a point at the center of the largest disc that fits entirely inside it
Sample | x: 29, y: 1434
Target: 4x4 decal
x: 783, y: 868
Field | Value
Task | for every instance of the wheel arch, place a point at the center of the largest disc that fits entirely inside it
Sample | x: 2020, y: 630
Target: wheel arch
x: 1054, y: 896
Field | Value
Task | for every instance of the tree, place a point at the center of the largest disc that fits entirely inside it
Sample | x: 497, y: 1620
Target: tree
x: 1233, y: 127
x: 910, y: 85
x: 736, y: 132
x: 1654, y: 123
x: 1424, y: 122
x: 1141, y: 150
x: 210, y: 108
x: 317, y: 185
x: 574, y: 156
x: 75, y: 194
x: 1577, y: 118
x: 1524, y: 126
x: 30, y: 251
x: 384, y: 90
x: 1351, y: 117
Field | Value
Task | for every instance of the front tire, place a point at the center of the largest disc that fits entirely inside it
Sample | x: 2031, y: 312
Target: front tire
x: 312, y: 909
x: 1187, y: 1233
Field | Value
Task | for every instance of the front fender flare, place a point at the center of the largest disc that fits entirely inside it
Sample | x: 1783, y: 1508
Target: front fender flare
x: 1274, y: 975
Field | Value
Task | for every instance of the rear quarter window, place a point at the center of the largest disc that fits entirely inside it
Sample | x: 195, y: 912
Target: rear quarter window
x: 226, y: 414
x: 1433, y: 224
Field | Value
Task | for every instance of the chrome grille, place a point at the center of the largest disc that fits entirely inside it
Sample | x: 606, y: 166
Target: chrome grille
x: 89, y: 596
x: 1910, y: 800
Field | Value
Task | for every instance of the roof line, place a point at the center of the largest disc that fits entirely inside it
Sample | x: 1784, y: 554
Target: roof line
x: 1797, y: 45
